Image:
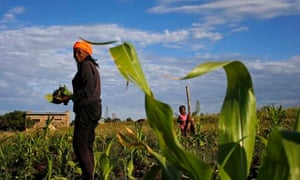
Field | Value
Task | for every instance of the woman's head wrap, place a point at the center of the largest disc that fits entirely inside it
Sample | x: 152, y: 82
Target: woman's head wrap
x: 84, y: 46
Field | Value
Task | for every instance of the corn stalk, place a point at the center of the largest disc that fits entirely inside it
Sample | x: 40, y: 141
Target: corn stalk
x: 236, y: 126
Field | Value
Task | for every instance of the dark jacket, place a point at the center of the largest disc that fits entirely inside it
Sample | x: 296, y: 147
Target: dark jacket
x: 86, y: 86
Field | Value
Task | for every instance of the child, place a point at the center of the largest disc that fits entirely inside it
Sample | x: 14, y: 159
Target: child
x: 186, y: 123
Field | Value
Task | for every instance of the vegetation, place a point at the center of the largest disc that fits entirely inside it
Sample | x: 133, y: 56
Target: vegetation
x: 35, y: 155
x: 15, y: 121
x: 236, y: 128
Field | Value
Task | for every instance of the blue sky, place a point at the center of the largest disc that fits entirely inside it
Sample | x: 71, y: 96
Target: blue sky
x: 170, y: 36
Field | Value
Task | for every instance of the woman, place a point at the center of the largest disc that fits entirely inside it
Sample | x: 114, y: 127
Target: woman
x: 87, y: 106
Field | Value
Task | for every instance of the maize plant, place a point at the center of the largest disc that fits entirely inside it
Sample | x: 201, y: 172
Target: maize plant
x: 236, y: 127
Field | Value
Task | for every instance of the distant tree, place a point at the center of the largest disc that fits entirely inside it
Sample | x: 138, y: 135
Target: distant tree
x: 107, y: 120
x: 13, y: 121
x: 116, y: 120
x: 141, y: 120
x: 129, y: 119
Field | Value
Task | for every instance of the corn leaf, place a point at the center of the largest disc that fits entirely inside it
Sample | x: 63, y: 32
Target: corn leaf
x: 160, y: 118
x: 281, y: 158
x: 274, y: 162
x: 167, y: 169
x: 127, y: 62
x: 236, y: 125
x: 159, y: 115
x: 291, y: 145
x: 237, y: 119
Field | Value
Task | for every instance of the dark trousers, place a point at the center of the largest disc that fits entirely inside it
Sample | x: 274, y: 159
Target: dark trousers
x: 83, y: 149
x: 83, y: 139
x: 86, y: 120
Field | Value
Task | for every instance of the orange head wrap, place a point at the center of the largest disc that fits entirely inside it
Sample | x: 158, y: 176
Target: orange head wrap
x: 84, y: 46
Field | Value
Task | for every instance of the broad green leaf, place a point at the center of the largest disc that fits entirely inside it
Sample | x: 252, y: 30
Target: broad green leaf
x: 236, y: 125
x: 281, y: 158
x: 224, y: 162
x: 130, y: 166
x: 291, y: 145
x: 160, y: 118
x: 127, y: 62
x: 107, y: 151
x: 159, y: 115
x: 105, y: 166
x: 167, y: 169
x: 102, y: 163
x: 237, y: 119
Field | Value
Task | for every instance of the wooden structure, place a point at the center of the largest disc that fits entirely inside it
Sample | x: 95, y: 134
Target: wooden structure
x: 58, y: 119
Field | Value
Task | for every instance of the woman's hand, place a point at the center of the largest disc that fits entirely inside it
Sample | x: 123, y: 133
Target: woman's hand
x: 61, y: 99
x: 65, y: 99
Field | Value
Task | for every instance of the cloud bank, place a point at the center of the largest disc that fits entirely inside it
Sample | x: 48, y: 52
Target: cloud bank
x: 37, y: 59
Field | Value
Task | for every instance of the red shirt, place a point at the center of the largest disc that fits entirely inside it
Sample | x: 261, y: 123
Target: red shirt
x: 183, y: 118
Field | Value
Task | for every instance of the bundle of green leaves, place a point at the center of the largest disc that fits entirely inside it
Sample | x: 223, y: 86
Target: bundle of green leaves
x: 58, y: 94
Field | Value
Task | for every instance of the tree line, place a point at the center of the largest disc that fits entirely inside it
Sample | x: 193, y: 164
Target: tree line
x: 15, y: 121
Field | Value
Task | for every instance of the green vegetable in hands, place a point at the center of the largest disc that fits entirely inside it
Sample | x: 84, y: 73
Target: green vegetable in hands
x: 57, y: 96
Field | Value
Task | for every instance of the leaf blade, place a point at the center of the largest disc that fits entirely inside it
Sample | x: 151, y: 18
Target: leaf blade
x: 237, y: 119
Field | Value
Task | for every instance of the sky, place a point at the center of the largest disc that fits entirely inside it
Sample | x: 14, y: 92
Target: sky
x: 171, y: 37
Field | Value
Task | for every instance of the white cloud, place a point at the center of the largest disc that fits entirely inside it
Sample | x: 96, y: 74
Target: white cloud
x: 35, y: 60
x: 240, y: 29
x: 227, y: 12
x: 231, y: 8
x: 10, y: 17
x: 276, y: 82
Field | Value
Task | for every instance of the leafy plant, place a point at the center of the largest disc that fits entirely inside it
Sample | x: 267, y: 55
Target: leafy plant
x: 281, y: 159
x: 57, y: 94
x: 276, y: 114
x: 48, y: 125
x: 236, y: 124
x: 102, y: 163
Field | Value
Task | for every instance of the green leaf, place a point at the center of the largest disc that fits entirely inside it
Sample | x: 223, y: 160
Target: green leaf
x: 291, y: 145
x: 236, y: 125
x: 127, y: 62
x: 237, y: 119
x: 134, y: 143
x: 159, y: 115
x: 281, y: 158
